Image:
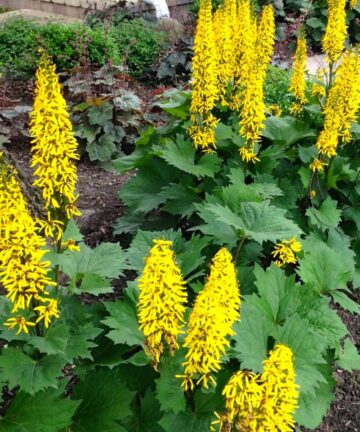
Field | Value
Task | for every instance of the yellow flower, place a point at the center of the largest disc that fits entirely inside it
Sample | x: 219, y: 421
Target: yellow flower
x: 23, y: 272
x: 244, y: 42
x: 274, y: 110
x: 353, y: 3
x: 317, y: 166
x: 224, y: 45
x: 248, y: 155
x: 252, y: 114
x: 341, y: 106
x: 285, y: 251
x: 54, y: 147
x: 51, y: 228
x: 161, y: 300
x: 71, y: 245
x: 210, y: 323
x: 45, y: 312
x: 21, y: 322
x: 262, y: 402
x: 335, y: 33
x: 204, y: 80
x: 244, y: 403
x: 280, y: 390
x: 318, y: 87
x: 312, y: 194
x: 298, y: 82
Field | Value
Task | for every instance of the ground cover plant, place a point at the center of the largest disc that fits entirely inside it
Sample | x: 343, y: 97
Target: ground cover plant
x: 242, y: 223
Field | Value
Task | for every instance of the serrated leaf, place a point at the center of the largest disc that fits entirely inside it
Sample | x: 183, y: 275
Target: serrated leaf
x: 31, y: 375
x: 186, y: 421
x: 349, y: 358
x: 286, y: 130
x: 252, y: 333
x: 180, y: 199
x: 313, y: 407
x: 182, y: 156
x: 99, y: 115
x: 141, y: 192
x: 168, y: 388
x: 324, y: 268
x: 258, y: 221
x: 327, y: 216
x: 94, y: 284
x: 54, y: 341
x: 123, y: 323
x: 146, y: 415
x: 308, y: 352
x: 81, y: 341
x: 46, y: 411
x: 105, y: 401
x: 345, y: 302
x: 72, y: 232
x: 102, y: 149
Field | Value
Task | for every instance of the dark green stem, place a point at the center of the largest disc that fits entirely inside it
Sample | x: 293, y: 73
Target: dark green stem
x: 238, y: 249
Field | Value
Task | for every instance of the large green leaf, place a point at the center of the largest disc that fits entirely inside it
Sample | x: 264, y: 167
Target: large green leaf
x: 286, y: 130
x: 168, y: 388
x: 123, y: 323
x: 142, y: 191
x: 258, y: 221
x: 180, y: 199
x: 54, y: 341
x: 308, y: 352
x: 145, y: 416
x: 105, y: 401
x: 252, y: 333
x: 81, y: 341
x: 349, y: 357
x: 46, y: 411
x: 182, y: 155
x: 324, y: 268
x: 327, y: 216
x: 31, y: 375
x: 184, y: 421
x: 313, y: 407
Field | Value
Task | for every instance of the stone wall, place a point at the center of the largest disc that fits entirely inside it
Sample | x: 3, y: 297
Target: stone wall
x: 76, y: 8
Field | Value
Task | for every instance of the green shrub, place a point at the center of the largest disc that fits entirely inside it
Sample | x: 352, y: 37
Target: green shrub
x: 66, y: 43
x: 139, y: 43
x: 277, y: 88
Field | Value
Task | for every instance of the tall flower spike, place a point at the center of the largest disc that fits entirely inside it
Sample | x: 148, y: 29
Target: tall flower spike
x: 280, y: 390
x: 225, y: 55
x: 161, y: 301
x: 342, y: 105
x: 298, y: 82
x: 252, y: 114
x: 210, y: 324
x: 204, y: 81
x: 265, y: 402
x: 244, y: 402
x: 23, y: 273
x: 335, y: 33
x: 54, y: 148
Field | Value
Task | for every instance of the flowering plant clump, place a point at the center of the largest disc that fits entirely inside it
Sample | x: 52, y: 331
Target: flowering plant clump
x: 229, y: 194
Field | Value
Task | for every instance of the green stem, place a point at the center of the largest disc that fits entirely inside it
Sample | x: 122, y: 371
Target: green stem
x: 238, y: 249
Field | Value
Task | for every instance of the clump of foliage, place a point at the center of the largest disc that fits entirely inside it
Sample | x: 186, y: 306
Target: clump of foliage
x: 277, y: 84
x: 181, y: 350
x: 135, y: 44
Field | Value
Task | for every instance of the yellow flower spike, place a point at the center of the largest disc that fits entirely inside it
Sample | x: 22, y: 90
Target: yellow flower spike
x: 274, y: 110
x: 252, y: 112
x: 342, y: 105
x: 317, y: 166
x: 215, y: 311
x: 204, y: 81
x: 284, y: 252
x: 161, y: 300
x: 23, y: 272
x: 54, y: 149
x: 19, y: 322
x: 225, y: 54
x: 280, y: 389
x: 298, y: 82
x: 336, y: 30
